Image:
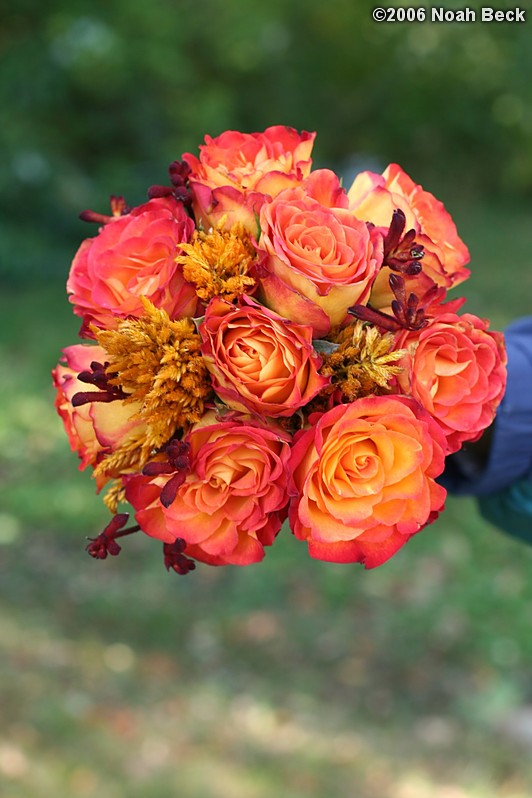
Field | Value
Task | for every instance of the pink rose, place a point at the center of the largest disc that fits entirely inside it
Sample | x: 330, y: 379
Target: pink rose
x: 363, y: 479
x: 133, y: 256
x: 94, y: 429
x: 320, y: 259
x: 258, y: 361
x: 457, y: 370
x: 234, y: 498
x: 374, y: 197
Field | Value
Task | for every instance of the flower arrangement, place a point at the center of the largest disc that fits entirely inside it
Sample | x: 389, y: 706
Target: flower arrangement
x: 262, y: 344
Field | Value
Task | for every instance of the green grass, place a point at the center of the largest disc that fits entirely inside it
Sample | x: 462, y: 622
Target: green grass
x: 291, y: 678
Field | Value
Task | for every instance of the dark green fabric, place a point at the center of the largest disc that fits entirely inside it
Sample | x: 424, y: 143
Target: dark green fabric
x: 510, y: 509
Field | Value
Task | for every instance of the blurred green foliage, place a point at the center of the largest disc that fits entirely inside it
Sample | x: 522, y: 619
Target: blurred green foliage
x: 97, y: 98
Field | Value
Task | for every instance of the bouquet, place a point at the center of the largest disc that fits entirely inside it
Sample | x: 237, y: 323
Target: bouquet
x: 261, y: 344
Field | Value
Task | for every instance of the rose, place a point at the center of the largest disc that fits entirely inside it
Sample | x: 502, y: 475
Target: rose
x: 320, y: 259
x: 94, y: 429
x: 258, y: 361
x: 457, y: 370
x: 253, y: 161
x: 236, y: 173
x: 234, y: 498
x: 133, y: 256
x: 374, y: 197
x: 363, y: 479
x: 225, y: 206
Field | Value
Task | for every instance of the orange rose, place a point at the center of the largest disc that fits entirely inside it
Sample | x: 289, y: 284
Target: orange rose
x: 373, y: 198
x: 225, y: 206
x: 133, y: 256
x: 237, y: 172
x: 253, y: 161
x: 320, y: 259
x: 457, y: 370
x: 364, y: 479
x: 96, y: 428
x: 233, y: 500
x: 258, y: 361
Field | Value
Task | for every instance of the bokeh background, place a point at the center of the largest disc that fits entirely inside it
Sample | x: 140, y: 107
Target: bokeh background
x: 291, y: 678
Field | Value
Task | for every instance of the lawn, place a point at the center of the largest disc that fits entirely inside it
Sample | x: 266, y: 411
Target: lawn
x: 291, y: 678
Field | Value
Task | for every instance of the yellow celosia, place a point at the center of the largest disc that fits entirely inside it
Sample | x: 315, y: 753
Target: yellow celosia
x: 217, y: 262
x: 116, y: 494
x: 158, y: 363
x: 363, y: 362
